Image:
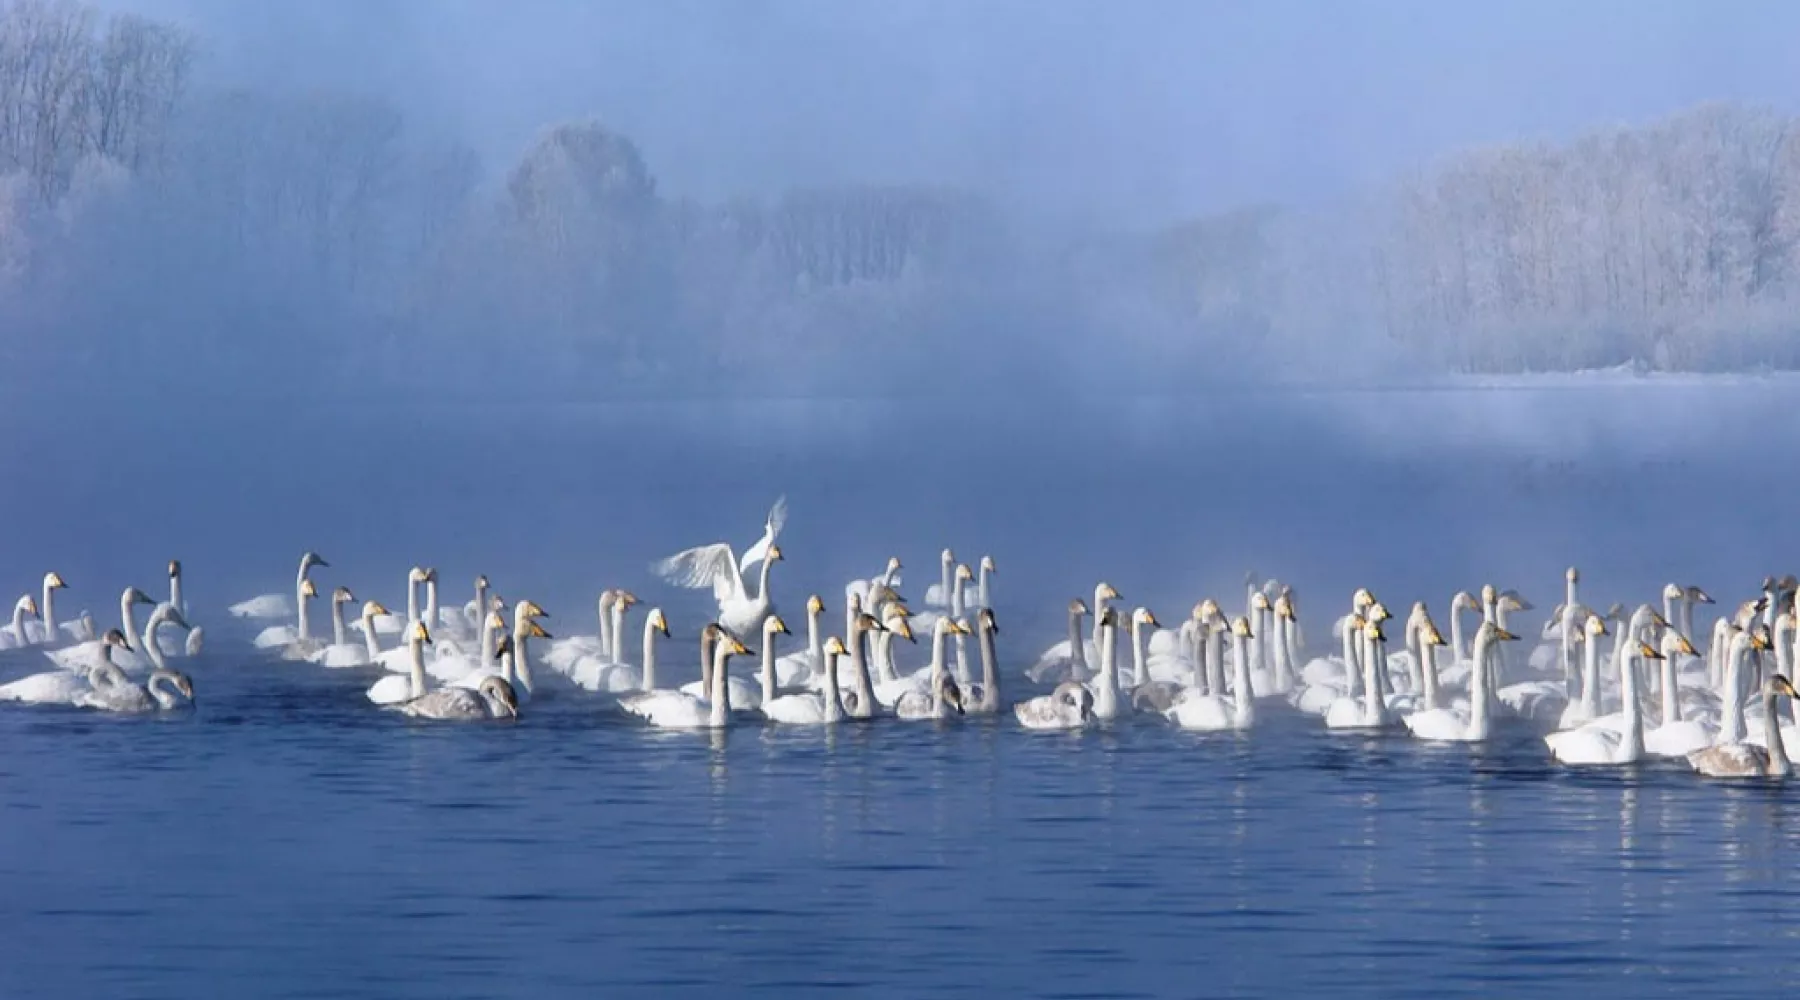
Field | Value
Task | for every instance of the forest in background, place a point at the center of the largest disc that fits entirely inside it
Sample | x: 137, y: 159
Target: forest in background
x: 159, y: 232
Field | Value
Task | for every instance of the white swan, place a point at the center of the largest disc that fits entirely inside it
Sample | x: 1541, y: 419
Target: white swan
x: 889, y: 580
x: 110, y: 690
x: 1675, y: 736
x: 742, y: 695
x: 276, y: 605
x: 679, y: 710
x: 1595, y: 744
x: 942, y: 698
x: 84, y: 656
x: 44, y: 630
x: 1586, y: 708
x: 1072, y: 659
x: 805, y: 667
x: 340, y: 655
x: 1464, y: 723
x: 1746, y: 760
x: 984, y: 695
x: 294, y: 639
x: 740, y: 609
x: 805, y: 708
x: 396, y: 689
x: 1218, y: 711
x: 593, y: 674
x: 1069, y: 706
x: 60, y: 686
x: 563, y: 654
x: 15, y: 636
x: 1371, y: 710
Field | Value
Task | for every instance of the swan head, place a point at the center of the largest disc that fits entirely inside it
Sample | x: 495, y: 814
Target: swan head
x: 987, y: 565
x: 985, y: 620
x: 622, y: 597
x: 899, y: 622
x: 815, y: 605
x: 1429, y: 634
x: 420, y: 635
x: 946, y: 557
x: 1768, y: 584
x: 307, y: 589
x: 481, y: 582
x: 1463, y: 601
x: 1759, y: 638
x: 952, y: 626
x: 1078, y: 607
x: 1656, y: 617
x: 1105, y: 592
x: 963, y: 572
x: 1648, y: 651
x: 342, y: 595
x: 529, y: 609
x: 1377, y: 613
x: 311, y: 559
x: 1360, y: 601
x: 502, y: 694
x: 885, y: 595
x: 866, y: 622
x: 731, y: 644
x: 1251, y: 579
x: 372, y: 609
x: 1489, y: 595
x: 1672, y: 592
x: 893, y: 565
x: 658, y: 622
x: 1596, y: 627
x: 773, y: 626
x: 1780, y: 685
x: 114, y: 637
x: 530, y: 629
x: 1259, y: 601
x: 1075, y: 695
x: 1284, y: 607
x: 180, y: 681
x: 494, y: 621
x: 1372, y: 630
x: 1511, y: 601
x: 1674, y: 643
x: 496, y: 602
x: 1240, y: 627
x: 1699, y: 596
x: 53, y: 581
x: 1143, y: 616
x: 27, y: 604
x: 774, y: 556
x: 174, y: 569
x: 834, y: 646
x: 1572, y: 575
x: 1498, y: 634
x: 136, y: 596
x: 950, y: 693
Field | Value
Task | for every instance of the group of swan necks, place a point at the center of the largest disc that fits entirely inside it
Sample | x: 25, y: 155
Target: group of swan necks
x: 1435, y: 689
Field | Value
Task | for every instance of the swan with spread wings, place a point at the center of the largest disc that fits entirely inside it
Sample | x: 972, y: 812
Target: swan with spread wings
x: 741, y: 610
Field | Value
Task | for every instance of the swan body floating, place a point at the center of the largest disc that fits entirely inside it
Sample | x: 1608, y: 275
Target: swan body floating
x: 15, y: 636
x: 340, y: 655
x: 592, y: 673
x: 1746, y: 760
x: 1221, y: 711
x: 277, y: 605
x: 1069, y: 706
x: 63, y: 686
x: 109, y: 690
x: 1598, y: 744
x: 84, y: 656
x: 942, y: 698
x: 1468, y: 723
x: 680, y: 710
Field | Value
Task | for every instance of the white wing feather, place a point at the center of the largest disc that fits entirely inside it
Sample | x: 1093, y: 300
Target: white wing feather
x: 704, y: 566
x: 772, y: 526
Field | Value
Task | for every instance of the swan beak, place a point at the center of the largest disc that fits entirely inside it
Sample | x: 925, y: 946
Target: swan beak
x: 1504, y: 636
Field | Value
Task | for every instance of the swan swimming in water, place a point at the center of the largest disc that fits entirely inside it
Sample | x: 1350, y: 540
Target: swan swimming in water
x: 679, y: 710
x: 84, y: 656
x: 942, y: 698
x: 740, y: 609
x: 1598, y: 744
x: 1215, y: 711
x: 1467, y: 723
x: 62, y: 686
x: 1746, y: 760
x: 340, y: 655
x: 109, y: 690
x: 277, y: 605
x: 15, y: 636
x: 493, y: 699
x: 1069, y: 706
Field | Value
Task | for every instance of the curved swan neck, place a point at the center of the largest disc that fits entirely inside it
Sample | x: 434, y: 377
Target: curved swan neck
x: 834, y: 705
x: 1077, y: 645
x: 370, y: 643
x: 721, y: 689
x: 151, y: 649
x: 990, y: 673
x: 768, y: 668
x: 1778, y: 758
x: 130, y: 620
x: 649, y: 678
x: 417, y: 675
x: 18, y: 623
x: 762, y: 580
x: 617, y: 649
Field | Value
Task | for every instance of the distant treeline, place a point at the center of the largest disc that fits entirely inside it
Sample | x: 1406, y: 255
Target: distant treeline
x: 175, y: 235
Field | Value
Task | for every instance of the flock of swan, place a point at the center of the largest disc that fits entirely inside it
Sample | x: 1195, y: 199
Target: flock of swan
x: 1601, y: 687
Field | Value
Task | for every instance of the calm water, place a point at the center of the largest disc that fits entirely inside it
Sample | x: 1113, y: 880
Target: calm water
x: 286, y: 839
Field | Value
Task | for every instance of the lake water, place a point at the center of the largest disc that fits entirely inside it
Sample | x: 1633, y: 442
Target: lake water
x: 288, y: 840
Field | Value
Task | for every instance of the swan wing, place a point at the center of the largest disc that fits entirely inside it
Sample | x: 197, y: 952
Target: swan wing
x: 772, y: 526
x: 704, y: 566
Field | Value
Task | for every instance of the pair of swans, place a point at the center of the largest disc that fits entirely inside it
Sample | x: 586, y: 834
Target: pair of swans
x: 343, y: 653
x: 492, y: 698
x: 1069, y: 660
x: 465, y: 672
x: 1469, y: 721
x: 1740, y: 759
x: 741, y: 610
x: 1210, y: 708
x: 268, y: 606
x: 666, y: 709
x: 109, y: 690
x: 1598, y: 743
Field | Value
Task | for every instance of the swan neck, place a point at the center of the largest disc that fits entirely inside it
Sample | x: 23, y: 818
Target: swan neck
x: 417, y: 677
x: 815, y: 646
x: 606, y: 629
x: 1634, y: 714
x: 175, y: 600
x: 859, y: 666
x: 1459, y: 647
x: 834, y: 705
x: 1590, y: 678
x: 990, y: 672
x: 522, y: 656
x: 1778, y: 758
x: 721, y: 689
x: 1671, y: 705
x: 18, y: 623
x: 370, y: 643
x: 1215, y: 661
x: 339, y: 633
x: 762, y: 580
x: 1244, y: 690
x: 768, y: 668
x: 431, y: 604
x: 48, y: 607
x: 129, y: 620
x: 617, y: 649
x: 1077, y: 646
x: 1428, y: 675
x: 1731, y: 708
x: 1479, y: 687
x: 649, y: 679
x: 412, y: 600
x: 1139, y: 672
x: 151, y: 649
x: 981, y: 587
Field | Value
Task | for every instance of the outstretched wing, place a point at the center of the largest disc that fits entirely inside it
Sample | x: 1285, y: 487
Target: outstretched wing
x: 771, y: 531
x: 703, y: 566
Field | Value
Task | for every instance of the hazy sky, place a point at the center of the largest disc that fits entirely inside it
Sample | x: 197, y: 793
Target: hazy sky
x: 1141, y: 107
